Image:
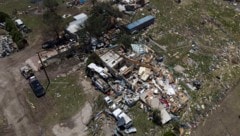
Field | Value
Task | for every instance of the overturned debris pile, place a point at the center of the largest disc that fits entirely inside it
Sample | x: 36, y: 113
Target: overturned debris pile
x: 6, y: 45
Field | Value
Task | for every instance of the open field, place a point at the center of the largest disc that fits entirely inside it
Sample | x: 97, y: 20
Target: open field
x: 141, y: 122
x: 224, y: 121
x: 212, y: 25
x: 63, y: 99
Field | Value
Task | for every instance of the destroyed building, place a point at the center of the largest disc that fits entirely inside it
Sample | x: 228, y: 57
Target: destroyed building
x: 145, y: 80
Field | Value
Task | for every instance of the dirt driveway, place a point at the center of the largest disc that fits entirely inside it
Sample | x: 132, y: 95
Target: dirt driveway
x: 225, y: 121
x: 12, y: 99
x: 17, y: 111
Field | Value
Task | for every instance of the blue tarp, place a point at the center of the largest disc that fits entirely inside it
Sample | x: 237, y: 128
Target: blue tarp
x: 82, y: 1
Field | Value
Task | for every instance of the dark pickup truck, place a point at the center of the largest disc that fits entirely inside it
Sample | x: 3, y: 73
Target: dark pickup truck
x: 36, y: 86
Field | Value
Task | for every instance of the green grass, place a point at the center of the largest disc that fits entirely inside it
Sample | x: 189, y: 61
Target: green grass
x: 204, y: 62
x: 141, y: 122
x: 9, y: 5
x: 33, y: 22
x: 55, y: 108
x: 170, y: 39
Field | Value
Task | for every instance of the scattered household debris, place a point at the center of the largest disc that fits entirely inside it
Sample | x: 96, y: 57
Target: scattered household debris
x: 130, y: 76
x: 138, y: 48
x: 6, y: 45
x: 110, y: 103
x: 179, y: 69
x: 101, y: 71
x: 100, y: 84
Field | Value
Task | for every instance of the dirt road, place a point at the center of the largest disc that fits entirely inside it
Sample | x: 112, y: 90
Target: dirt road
x: 12, y: 99
x: 225, y: 121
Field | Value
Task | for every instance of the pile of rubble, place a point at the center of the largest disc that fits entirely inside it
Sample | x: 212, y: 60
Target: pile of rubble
x: 6, y: 45
x: 129, y: 6
x: 134, y: 76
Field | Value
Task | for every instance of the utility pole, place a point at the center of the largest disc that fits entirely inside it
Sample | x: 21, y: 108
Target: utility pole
x: 45, y: 72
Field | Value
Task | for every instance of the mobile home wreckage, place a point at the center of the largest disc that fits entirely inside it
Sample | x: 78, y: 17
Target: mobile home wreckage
x: 138, y: 75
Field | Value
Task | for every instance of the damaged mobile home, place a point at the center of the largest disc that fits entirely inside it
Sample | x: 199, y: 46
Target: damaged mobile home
x: 140, y: 77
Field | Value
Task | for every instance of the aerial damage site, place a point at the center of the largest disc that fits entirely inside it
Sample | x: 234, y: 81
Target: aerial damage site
x: 119, y: 67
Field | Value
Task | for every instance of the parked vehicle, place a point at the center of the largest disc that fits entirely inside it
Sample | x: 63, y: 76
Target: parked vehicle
x: 110, y: 103
x: 26, y: 71
x: 48, y: 45
x: 36, y: 86
x: 130, y: 130
x: 100, y: 84
x: 123, y: 120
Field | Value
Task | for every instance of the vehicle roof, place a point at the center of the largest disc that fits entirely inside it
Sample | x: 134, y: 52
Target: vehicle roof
x: 107, y: 98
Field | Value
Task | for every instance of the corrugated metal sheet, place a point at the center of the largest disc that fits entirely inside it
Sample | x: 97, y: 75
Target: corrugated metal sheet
x: 81, y: 16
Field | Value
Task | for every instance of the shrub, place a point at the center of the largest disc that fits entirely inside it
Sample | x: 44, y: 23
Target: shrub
x: 157, y: 117
x: 3, y: 17
x: 169, y: 133
x: 94, y: 58
x: 21, y: 44
x: 13, y: 31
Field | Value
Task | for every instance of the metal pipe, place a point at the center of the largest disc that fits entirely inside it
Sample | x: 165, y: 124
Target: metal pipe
x: 45, y: 72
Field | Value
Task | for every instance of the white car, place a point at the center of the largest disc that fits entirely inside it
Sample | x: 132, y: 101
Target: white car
x: 110, y: 103
x: 130, y: 130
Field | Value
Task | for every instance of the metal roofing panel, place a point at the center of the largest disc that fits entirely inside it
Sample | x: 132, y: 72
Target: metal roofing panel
x: 81, y: 16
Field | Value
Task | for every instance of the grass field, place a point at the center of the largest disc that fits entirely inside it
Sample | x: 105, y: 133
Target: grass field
x: 62, y: 100
x: 144, y: 126
x: 212, y: 25
x: 31, y: 19
x: 140, y: 121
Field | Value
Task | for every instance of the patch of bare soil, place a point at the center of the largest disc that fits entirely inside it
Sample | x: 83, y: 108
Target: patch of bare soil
x: 225, y: 120
x: 78, y: 125
x: 12, y: 100
x: 80, y: 121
